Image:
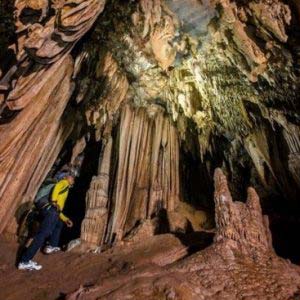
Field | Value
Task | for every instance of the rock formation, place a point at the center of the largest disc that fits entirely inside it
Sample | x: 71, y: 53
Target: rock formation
x: 96, y: 217
x: 146, y: 99
x: 40, y: 87
x: 146, y: 181
x: 218, y: 68
x: 31, y: 141
x: 241, y: 263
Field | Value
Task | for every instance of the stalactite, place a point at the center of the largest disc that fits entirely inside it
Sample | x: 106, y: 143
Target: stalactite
x: 103, y: 109
x: 48, y: 43
x: 258, y: 149
x: 147, y: 177
x: 32, y: 78
x: 292, y: 137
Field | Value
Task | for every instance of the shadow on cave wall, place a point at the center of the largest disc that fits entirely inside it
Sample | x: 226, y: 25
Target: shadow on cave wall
x: 195, y: 176
x: 282, y: 205
x: 197, y: 190
x: 7, y: 34
x: 285, y: 226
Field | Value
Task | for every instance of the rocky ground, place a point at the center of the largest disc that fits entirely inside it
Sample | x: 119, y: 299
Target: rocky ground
x: 65, y: 272
x: 239, y: 264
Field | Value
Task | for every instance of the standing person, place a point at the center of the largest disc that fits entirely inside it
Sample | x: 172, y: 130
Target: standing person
x: 51, y: 225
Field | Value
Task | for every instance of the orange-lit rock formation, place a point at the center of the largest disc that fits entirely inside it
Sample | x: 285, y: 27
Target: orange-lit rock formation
x: 145, y: 99
x: 241, y: 263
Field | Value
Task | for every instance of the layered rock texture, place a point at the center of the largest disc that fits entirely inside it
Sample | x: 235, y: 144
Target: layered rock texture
x: 241, y: 263
x: 147, y: 179
x: 145, y: 99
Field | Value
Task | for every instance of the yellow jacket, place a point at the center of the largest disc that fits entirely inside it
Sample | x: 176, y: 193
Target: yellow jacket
x: 59, y: 196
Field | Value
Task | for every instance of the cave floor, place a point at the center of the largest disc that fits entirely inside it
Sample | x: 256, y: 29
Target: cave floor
x: 161, y: 267
x: 65, y: 272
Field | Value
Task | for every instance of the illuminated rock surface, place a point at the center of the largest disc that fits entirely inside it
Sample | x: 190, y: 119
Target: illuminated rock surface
x: 145, y: 99
x: 241, y: 263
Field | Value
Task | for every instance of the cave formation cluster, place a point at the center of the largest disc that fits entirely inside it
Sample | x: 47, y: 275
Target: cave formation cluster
x: 154, y: 82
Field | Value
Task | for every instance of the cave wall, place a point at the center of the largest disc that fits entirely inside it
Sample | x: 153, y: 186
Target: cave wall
x: 225, y: 70
x: 34, y: 94
x: 31, y: 141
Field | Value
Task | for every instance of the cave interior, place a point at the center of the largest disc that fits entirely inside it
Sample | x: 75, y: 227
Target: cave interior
x: 146, y: 99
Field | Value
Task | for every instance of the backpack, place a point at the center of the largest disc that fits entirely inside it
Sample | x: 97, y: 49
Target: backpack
x: 60, y: 175
x: 42, y: 197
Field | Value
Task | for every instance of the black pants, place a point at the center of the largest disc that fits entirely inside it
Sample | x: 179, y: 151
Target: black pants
x: 50, y: 227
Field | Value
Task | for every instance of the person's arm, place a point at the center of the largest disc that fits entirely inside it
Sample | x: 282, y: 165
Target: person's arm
x: 66, y: 220
x: 63, y: 217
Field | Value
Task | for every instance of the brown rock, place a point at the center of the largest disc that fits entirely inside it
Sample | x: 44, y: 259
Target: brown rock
x: 29, y: 146
x: 241, y: 263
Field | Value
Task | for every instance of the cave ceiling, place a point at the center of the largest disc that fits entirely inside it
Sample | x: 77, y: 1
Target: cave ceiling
x: 219, y: 68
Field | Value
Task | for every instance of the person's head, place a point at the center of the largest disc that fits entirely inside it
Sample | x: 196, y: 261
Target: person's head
x: 70, y: 178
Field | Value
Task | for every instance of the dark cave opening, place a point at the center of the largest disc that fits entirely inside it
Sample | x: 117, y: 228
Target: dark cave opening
x: 282, y: 204
x: 196, y: 182
x: 284, y: 226
x: 284, y: 220
x: 75, y: 205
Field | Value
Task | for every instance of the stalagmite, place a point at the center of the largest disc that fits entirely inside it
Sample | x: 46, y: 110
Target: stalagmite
x: 240, y: 264
x: 240, y: 223
x: 95, y: 222
x: 147, y: 177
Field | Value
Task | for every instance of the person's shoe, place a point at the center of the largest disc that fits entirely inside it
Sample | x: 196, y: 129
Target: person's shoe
x: 30, y: 265
x: 33, y: 262
x: 50, y: 249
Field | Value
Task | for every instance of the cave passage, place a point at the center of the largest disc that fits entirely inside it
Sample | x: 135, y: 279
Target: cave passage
x: 284, y: 218
x: 196, y: 182
x: 75, y: 204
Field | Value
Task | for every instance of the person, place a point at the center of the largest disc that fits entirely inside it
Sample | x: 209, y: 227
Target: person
x: 52, y: 223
